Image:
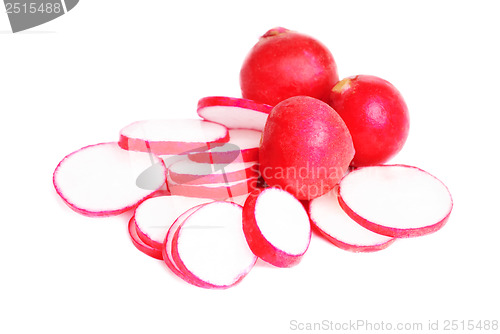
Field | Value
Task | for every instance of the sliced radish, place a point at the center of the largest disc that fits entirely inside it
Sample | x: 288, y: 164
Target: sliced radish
x: 276, y: 226
x: 210, y: 248
x: 243, y: 146
x: 235, y: 113
x: 141, y: 245
x: 395, y: 200
x: 154, y: 216
x: 105, y: 180
x: 238, y: 199
x: 190, y: 172
x: 172, y: 136
x: 216, y: 191
x: 336, y: 226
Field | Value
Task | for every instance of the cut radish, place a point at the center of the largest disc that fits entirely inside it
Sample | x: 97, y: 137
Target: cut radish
x: 276, y: 226
x: 154, y: 216
x: 395, y: 200
x: 216, y: 191
x: 172, y: 136
x: 141, y: 245
x: 336, y: 226
x: 105, y: 180
x: 240, y: 200
x: 210, y: 248
x: 243, y: 146
x: 190, y: 172
x: 235, y: 113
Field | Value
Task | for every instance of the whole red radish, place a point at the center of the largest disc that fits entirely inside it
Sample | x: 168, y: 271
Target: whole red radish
x: 376, y: 115
x: 286, y: 63
x: 306, y: 148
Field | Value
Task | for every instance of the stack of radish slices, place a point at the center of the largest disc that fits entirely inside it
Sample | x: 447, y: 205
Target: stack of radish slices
x: 200, y: 206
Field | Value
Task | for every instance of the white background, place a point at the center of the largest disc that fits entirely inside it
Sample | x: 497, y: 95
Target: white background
x: 77, y: 80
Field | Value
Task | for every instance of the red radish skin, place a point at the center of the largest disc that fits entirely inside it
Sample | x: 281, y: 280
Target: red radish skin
x: 376, y: 115
x: 332, y: 223
x: 234, y: 113
x: 172, y: 136
x: 286, y: 63
x: 407, y: 192
x: 260, y: 228
x: 101, y: 180
x: 215, y: 221
x: 306, y: 148
x: 141, y: 245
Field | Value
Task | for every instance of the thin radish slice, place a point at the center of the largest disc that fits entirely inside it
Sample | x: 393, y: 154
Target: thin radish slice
x: 172, y: 136
x: 190, y: 172
x: 154, y: 216
x: 243, y: 146
x: 210, y: 247
x: 395, y: 200
x: 216, y: 191
x: 105, y: 180
x: 336, y: 226
x: 235, y: 113
x: 238, y: 199
x: 141, y: 245
x: 276, y: 226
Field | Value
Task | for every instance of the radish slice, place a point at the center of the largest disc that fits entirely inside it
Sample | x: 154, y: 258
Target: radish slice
x: 276, y: 226
x: 240, y: 200
x: 235, y: 113
x: 336, y: 226
x: 216, y: 191
x: 210, y: 248
x: 172, y: 136
x: 395, y: 200
x: 105, y: 180
x: 141, y: 245
x: 154, y: 216
x: 190, y: 172
x: 243, y: 146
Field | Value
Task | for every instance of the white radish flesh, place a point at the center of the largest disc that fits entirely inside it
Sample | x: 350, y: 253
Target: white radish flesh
x: 234, y: 113
x: 105, y: 180
x: 276, y: 226
x: 154, y: 216
x: 336, y: 226
x: 172, y: 136
x: 395, y: 200
x: 210, y: 247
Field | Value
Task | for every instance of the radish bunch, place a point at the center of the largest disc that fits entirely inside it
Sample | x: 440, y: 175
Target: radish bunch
x: 253, y: 177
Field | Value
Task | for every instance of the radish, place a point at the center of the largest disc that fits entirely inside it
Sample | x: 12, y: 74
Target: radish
x: 336, y: 226
x: 141, y: 245
x: 395, y: 200
x: 172, y: 136
x: 216, y: 191
x: 243, y: 146
x: 306, y: 147
x: 210, y: 248
x: 190, y: 172
x: 154, y: 216
x: 234, y: 113
x: 285, y: 63
x: 376, y: 115
x: 105, y: 180
x: 276, y: 227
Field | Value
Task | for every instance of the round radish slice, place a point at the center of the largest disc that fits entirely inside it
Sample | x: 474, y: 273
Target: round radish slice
x: 172, y: 136
x: 243, y: 146
x: 276, y: 226
x: 190, y: 172
x: 105, y: 180
x: 154, y: 216
x: 210, y: 248
x: 395, y: 200
x: 235, y: 113
x: 141, y: 245
x: 336, y: 226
